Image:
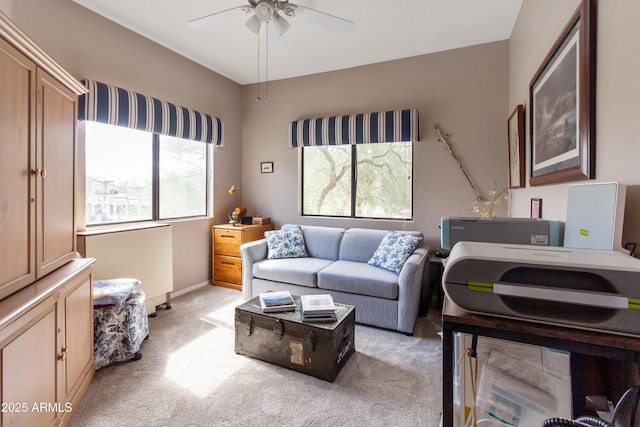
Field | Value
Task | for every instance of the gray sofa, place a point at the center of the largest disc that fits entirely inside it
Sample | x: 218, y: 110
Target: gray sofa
x: 337, y: 264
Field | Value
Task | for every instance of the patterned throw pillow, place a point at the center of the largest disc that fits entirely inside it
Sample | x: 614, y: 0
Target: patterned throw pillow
x: 394, y: 250
x: 285, y: 243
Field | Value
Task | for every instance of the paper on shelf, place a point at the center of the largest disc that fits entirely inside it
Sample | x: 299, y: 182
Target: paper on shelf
x: 559, y: 388
x: 508, y: 400
x: 551, y: 361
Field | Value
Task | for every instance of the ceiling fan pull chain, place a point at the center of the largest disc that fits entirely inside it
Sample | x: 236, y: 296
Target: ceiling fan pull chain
x: 266, y: 71
x: 258, y: 86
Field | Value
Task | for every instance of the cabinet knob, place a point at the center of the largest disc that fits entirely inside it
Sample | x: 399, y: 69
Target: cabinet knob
x: 43, y: 173
x: 63, y: 354
x: 35, y: 171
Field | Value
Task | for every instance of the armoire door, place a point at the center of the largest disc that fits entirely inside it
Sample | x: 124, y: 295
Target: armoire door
x: 17, y: 170
x: 56, y: 142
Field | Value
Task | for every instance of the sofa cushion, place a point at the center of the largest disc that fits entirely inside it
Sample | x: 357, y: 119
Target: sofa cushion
x: 321, y: 242
x: 359, y: 244
x: 394, y: 250
x: 298, y: 271
x: 287, y: 243
x: 359, y: 278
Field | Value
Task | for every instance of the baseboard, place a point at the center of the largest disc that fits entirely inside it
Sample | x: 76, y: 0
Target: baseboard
x: 190, y: 289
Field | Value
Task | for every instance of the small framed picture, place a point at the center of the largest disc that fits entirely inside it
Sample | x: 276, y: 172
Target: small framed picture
x: 536, y: 208
x: 266, y: 167
x: 515, y: 131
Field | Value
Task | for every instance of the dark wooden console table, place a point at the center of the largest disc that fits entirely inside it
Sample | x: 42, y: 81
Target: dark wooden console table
x: 581, y: 344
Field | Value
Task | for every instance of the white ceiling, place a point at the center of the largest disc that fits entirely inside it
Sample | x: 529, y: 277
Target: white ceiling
x: 383, y: 31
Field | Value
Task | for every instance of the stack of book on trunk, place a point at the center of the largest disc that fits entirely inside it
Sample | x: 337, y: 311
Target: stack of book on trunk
x: 317, y: 308
x: 274, y: 302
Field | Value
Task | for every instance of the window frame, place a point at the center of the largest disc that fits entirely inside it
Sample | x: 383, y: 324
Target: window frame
x: 353, y: 186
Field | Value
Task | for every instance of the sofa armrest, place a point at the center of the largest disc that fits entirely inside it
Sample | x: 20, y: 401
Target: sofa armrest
x: 250, y: 253
x: 410, y: 288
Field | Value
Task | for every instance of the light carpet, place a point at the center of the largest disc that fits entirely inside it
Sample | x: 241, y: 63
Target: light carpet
x: 189, y: 375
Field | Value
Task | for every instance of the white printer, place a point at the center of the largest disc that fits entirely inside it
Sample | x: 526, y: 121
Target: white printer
x: 583, y: 288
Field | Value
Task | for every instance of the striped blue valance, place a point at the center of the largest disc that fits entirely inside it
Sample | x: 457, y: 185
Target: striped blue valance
x: 116, y: 106
x: 363, y: 128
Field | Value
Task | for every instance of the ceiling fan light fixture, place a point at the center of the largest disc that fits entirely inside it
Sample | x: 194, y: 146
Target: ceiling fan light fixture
x: 264, y: 10
x: 253, y: 24
x: 280, y: 24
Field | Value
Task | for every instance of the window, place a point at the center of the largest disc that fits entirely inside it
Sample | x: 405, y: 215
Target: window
x: 133, y: 175
x: 360, y: 181
x: 183, y: 178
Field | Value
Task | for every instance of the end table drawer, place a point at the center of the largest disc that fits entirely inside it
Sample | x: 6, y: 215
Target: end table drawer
x: 226, y: 264
x: 227, y: 269
x: 227, y: 242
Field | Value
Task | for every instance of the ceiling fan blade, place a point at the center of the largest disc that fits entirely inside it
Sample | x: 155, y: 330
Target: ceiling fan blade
x: 214, y: 18
x: 324, y: 20
x: 277, y: 43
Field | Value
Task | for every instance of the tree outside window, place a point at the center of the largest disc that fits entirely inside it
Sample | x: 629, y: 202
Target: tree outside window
x: 362, y: 181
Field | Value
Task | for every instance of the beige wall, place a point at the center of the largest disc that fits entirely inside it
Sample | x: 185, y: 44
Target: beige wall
x: 618, y: 89
x: 469, y: 92
x: 464, y: 91
x: 90, y: 46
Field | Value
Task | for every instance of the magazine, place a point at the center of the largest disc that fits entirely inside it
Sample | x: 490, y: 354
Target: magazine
x: 273, y: 302
x: 319, y: 317
x: 317, y: 305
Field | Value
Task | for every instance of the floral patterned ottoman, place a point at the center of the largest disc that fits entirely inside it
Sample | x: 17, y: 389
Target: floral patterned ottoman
x: 120, y: 330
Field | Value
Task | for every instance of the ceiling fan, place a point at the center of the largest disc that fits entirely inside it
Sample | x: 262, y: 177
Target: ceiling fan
x: 272, y: 11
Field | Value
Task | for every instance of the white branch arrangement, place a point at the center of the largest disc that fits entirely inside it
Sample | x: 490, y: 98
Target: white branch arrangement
x: 442, y: 137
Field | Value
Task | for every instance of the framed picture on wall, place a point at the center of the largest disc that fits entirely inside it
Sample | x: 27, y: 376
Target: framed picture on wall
x: 562, y: 104
x: 536, y: 208
x: 266, y: 167
x: 515, y: 132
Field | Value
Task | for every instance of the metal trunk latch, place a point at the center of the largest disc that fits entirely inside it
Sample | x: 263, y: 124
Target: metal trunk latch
x: 311, y: 339
x: 278, y: 328
x: 250, y: 324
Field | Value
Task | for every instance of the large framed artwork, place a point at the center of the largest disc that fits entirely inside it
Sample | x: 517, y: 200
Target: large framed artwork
x: 515, y: 132
x: 562, y: 104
